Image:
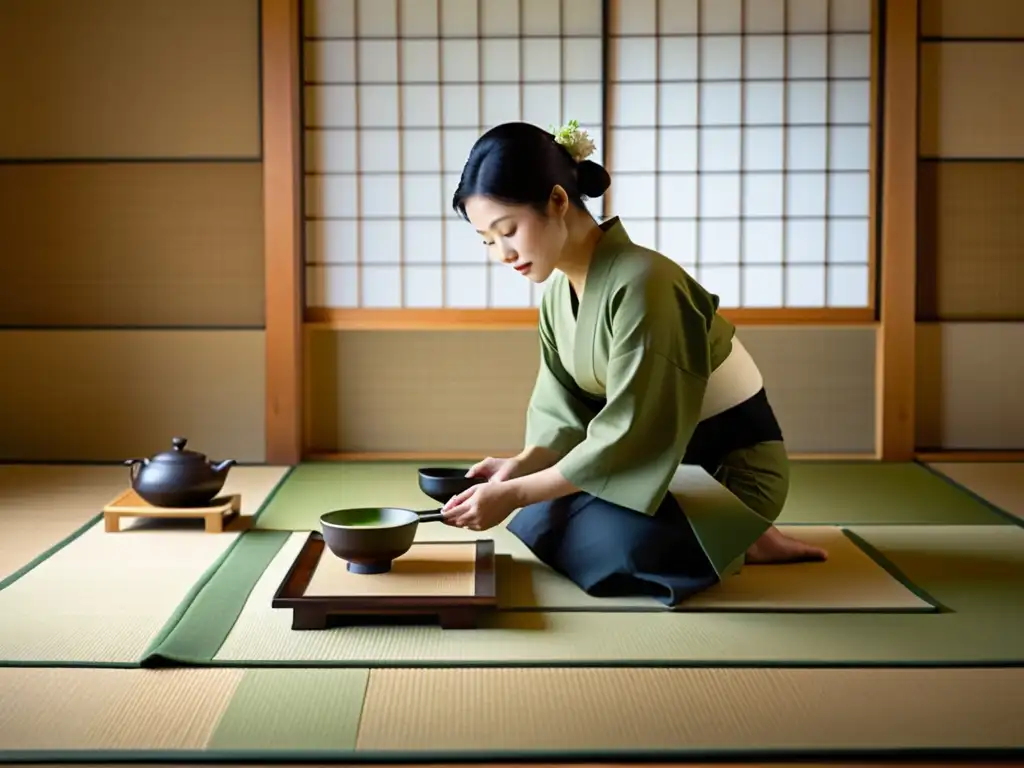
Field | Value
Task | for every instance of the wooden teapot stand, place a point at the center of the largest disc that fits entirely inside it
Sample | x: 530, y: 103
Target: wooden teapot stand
x: 216, y: 516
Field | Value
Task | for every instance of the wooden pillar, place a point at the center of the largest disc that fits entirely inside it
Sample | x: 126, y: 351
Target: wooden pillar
x: 282, y: 212
x: 896, y: 361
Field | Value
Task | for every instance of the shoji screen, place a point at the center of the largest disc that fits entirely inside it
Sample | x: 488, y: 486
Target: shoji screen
x: 396, y: 92
x: 740, y: 143
x: 738, y: 138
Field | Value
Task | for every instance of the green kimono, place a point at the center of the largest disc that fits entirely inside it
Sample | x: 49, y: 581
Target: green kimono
x: 621, y: 385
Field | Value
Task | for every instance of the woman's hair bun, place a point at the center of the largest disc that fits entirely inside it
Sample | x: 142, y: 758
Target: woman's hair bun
x: 592, y: 179
x: 520, y: 163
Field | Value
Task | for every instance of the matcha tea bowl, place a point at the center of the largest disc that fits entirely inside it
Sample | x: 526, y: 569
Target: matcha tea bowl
x: 369, y: 539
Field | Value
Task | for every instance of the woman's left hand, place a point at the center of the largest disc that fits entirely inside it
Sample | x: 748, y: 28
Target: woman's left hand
x: 480, y: 507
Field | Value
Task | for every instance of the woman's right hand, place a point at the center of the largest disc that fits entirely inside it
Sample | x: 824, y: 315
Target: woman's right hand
x: 494, y: 470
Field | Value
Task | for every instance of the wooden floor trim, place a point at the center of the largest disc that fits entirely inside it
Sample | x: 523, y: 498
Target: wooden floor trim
x: 333, y: 319
x: 970, y: 456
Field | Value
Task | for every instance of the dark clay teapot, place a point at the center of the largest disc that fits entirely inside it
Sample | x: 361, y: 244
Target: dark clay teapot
x: 178, y: 478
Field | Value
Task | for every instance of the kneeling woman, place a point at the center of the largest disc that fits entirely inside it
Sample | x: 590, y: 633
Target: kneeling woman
x: 639, y: 373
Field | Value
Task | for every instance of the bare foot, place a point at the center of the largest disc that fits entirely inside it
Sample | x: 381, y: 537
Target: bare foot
x: 776, y: 547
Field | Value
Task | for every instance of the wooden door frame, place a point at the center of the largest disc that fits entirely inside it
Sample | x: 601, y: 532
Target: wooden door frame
x: 281, y: 77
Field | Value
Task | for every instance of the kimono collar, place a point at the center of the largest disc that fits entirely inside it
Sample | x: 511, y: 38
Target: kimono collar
x: 612, y: 242
x: 615, y: 236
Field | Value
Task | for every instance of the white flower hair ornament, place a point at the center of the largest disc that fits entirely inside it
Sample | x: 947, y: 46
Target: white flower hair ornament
x: 575, y: 140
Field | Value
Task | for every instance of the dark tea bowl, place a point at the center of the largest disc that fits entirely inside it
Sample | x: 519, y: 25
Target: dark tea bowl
x: 370, y: 539
x: 441, y: 483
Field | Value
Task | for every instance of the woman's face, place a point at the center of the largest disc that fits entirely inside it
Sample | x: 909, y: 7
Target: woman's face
x: 519, y: 236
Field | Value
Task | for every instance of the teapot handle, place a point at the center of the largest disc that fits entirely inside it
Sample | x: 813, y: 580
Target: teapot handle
x: 136, y: 465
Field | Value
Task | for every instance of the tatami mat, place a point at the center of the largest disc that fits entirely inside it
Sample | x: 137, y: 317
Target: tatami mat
x: 975, y: 571
x: 41, y: 505
x: 179, y: 715
x: 603, y: 711
x: 848, y: 581
x: 821, y: 492
x: 999, y: 483
x: 878, y: 493
x: 232, y: 621
x: 48, y: 710
x: 104, y: 598
x: 297, y: 710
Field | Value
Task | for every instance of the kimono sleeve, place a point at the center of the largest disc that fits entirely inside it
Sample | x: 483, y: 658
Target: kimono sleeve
x: 658, y: 368
x: 557, y: 417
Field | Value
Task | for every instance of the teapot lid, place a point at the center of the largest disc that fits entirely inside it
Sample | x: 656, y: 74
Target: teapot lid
x: 178, y: 454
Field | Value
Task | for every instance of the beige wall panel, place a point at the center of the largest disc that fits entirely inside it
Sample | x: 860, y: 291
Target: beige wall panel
x: 109, y: 395
x: 129, y: 78
x: 821, y: 382
x: 971, y: 247
x: 972, y: 99
x: 420, y: 391
x: 969, y: 386
x: 972, y: 18
x: 467, y: 391
x: 156, y: 244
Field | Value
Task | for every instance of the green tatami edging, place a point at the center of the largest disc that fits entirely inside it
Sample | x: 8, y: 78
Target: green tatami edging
x: 208, y: 619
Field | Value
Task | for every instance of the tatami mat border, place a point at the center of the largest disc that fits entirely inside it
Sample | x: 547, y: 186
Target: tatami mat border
x: 197, y: 588
x: 47, y: 554
x: 255, y: 550
x: 1008, y: 516
x: 943, y: 755
x: 897, y: 573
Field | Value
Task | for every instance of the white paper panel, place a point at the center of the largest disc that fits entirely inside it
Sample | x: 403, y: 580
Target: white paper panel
x: 581, y: 17
x: 330, y: 18
x: 377, y: 18
x: 421, y: 61
x: 762, y: 241
x: 722, y: 280
x: 678, y: 17
x: 763, y: 286
x: 382, y: 286
x: 458, y: 17
x: 721, y: 16
x: 541, y: 17
x: 805, y: 285
x: 418, y: 17
x: 424, y: 287
x: 720, y: 241
x: 500, y: 18
x: 850, y: 16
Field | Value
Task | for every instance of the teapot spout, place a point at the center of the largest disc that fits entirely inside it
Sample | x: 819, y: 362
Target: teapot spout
x: 223, y: 466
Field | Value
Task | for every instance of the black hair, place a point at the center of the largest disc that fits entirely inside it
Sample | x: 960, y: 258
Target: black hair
x: 520, y: 163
